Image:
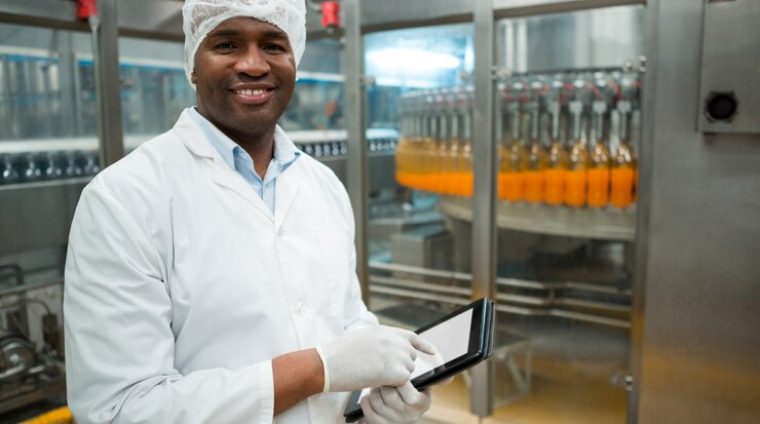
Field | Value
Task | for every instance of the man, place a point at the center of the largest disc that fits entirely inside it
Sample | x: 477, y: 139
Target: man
x: 210, y: 273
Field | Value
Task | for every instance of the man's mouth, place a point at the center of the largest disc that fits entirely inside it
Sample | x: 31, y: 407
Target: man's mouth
x: 253, y: 95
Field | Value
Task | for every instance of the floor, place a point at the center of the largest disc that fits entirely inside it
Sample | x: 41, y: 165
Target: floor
x: 572, y: 367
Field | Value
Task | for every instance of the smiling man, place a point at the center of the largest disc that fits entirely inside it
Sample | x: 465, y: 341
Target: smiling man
x: 210, y: 273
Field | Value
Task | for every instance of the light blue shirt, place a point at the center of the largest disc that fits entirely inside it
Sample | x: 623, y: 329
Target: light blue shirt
x: 285, y: 153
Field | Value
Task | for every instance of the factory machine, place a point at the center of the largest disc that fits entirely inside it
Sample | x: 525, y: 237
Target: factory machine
x: 585, y: 163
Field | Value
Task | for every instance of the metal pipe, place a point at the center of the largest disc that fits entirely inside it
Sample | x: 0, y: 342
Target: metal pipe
x: 105, y: 36
x: 357, y: 165
x: 506, y: 297
x: 508, y: 282
x: 578, y: 316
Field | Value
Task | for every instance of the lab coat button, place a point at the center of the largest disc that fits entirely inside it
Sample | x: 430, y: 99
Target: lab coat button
x: 281, y: 232
x: 300, y: 308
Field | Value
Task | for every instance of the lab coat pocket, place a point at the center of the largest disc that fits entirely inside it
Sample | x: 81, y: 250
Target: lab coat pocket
x: 332, y: 282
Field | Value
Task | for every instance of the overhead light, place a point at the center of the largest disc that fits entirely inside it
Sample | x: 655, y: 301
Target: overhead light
x: 403, y: 60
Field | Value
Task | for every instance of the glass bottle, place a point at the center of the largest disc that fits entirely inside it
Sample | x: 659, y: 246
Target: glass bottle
x: 465, y: 158
x: 403, y: 142
x: 556, y: 162
x: 454, y: 145
x: 599, y: 161
x: 513, y: 181
x: 442, y: 147
x: 623, y: 163
x: 576, y: 175
x: 535, y: 164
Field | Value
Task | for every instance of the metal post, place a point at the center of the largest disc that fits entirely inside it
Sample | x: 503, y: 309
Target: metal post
x: 484, y: 198
x: 105, y: 33
x: 357, y: 165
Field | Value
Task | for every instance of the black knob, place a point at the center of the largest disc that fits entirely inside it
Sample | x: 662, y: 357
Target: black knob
x: 721, y: 106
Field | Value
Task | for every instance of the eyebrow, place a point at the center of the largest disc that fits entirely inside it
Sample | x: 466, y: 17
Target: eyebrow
x: 279, y: 35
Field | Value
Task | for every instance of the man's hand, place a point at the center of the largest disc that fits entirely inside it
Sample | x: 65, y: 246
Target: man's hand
x: 371, y: 356
x: 395, y: 405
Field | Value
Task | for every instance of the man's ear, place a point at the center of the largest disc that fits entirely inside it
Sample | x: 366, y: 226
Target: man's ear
x: 193, y: 78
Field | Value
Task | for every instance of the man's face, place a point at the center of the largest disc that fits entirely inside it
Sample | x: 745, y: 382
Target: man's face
x: 244, y: 75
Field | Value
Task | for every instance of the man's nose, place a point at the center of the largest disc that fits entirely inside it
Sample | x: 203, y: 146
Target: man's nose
x: 252, y: 63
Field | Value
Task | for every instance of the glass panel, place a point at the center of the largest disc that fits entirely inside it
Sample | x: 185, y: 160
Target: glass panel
x: 39, y: 138
x: 419, y: 257
x: 154, y: 92
x: 43, y: 166
x: 568, y: 127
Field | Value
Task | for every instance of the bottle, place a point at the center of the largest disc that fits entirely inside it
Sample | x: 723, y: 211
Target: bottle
x: 556, y: 162
x: 623, y: 163
x: 576, y: 175
x: 465, y: 184
x: 428, y: 144
x: 8, y: 172
x: 535, y: 160
x: 599, y: 161
x: 442, y: 147
x: 403, y: 141
x: 454, y: 146
x: 512, y: 182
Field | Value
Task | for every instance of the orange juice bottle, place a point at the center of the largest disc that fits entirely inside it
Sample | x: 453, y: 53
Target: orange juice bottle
x: 623, y: 173
x: 516, y: 158
x: 576, y: 177
x: 599, y: 161
x: 535, y: 160
x: 465, y: 182
x: 404, y: 139
x: 444, y: 127
x: 556, y: 163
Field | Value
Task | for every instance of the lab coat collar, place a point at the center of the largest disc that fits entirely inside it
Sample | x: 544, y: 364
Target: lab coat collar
x: 288, y: 183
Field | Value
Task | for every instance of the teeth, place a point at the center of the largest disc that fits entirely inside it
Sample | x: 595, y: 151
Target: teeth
x: 248, y: 92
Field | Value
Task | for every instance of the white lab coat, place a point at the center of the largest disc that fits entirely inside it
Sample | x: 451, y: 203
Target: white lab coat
x: 180, y: 287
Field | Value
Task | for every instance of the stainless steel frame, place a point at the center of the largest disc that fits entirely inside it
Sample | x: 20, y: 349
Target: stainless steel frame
x: 695, y: 322
x: 106, y: 55
x: 357, y: 162
x: 485, y: 158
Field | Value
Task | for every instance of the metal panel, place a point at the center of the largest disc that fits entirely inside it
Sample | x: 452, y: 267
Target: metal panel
x: 389, y: 14
x: 47, y: 13
x: 515, y: 8
x: 607, y: 37
x: 731, y: 100
x: 357, y: 163
x: 700, y: 343
x: 485, y: 157
x: 37, y: 215
x: 106, y: 48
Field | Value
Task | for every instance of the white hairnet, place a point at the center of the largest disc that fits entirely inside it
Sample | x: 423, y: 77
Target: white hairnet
x: 200, y: 17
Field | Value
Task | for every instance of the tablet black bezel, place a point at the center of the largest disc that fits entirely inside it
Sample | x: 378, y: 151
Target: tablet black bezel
x: 480, y: 339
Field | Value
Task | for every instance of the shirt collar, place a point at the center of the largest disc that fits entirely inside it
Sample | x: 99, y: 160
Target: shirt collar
x: 285, y: 151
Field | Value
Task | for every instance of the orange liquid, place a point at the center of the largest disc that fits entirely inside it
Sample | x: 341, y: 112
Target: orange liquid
x: 534, y: 186
x: 622, y: 187
x: 514, y: 186
x: 598, y: 187
x: 554, y: 191
x: 575, y: 187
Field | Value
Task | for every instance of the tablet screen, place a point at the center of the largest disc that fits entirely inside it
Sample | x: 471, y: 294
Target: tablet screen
x: 451, y: 338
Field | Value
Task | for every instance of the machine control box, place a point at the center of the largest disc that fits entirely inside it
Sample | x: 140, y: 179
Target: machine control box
x: 730, y: 99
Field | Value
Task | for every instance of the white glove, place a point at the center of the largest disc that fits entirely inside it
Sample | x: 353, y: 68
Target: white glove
x: 395, y: 405
x: 371, y: 356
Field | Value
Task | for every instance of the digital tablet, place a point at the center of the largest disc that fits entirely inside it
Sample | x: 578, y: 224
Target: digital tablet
x: 463, y: 338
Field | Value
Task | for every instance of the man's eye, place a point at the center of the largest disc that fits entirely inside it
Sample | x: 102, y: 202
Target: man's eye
x: 274, y: 47
x: 224, y: 46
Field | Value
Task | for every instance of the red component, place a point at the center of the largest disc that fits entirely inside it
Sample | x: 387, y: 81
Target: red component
x: 330, y: 14
x: 86, y: 9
